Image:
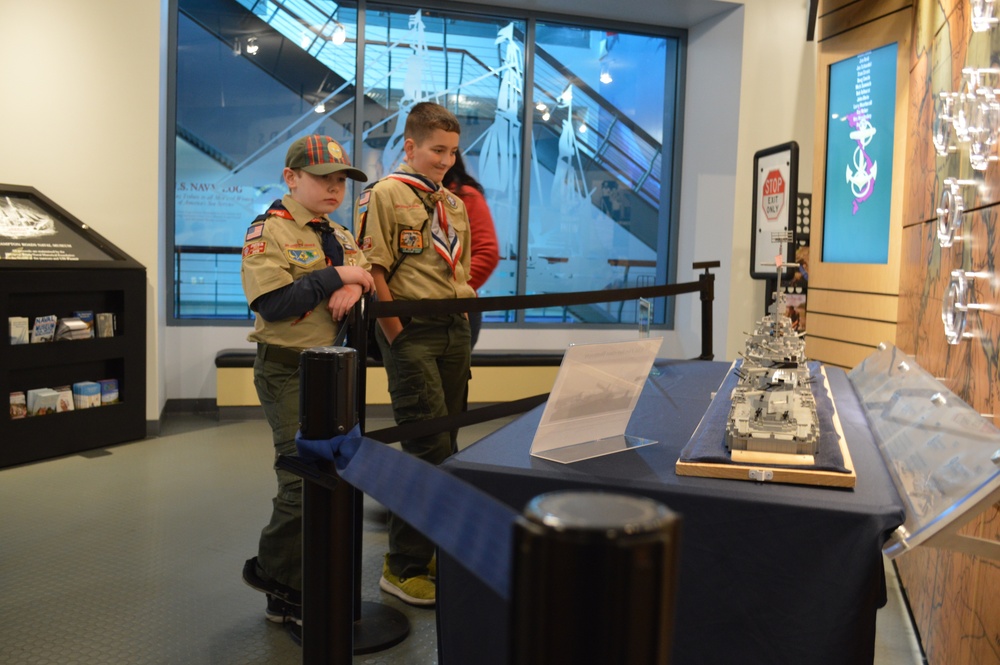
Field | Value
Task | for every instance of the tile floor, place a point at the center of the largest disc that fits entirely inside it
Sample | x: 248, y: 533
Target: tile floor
x: 133, y: 555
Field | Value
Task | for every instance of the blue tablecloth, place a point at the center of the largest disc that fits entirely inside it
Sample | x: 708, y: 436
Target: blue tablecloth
x: 769, y: 573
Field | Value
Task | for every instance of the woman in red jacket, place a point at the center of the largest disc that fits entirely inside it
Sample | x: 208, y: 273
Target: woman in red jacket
x: 484, y: 254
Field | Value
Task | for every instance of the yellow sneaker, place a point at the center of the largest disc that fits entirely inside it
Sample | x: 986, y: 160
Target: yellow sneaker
x: 419, y: 591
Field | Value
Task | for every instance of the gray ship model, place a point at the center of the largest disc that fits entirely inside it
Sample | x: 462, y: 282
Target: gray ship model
x: 773, y: 408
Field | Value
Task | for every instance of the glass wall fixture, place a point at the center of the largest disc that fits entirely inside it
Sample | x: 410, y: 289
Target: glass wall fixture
x: 571, y: 133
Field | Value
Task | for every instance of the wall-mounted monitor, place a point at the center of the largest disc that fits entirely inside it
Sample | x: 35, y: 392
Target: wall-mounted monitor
x: 860, y: 136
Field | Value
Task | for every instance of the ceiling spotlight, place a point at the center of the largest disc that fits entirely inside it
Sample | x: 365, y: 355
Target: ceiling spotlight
x: 606, y: 77
x: 339, y: 34
x: 583, y: 128
x: 252, y: 46
x: 546, y: 116
x: 541, y: 106
x: 320, y: 108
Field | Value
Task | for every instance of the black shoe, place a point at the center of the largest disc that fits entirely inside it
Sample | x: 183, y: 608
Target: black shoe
x: 278, y: 611
x: 255, y: 579
x: 295, y: 632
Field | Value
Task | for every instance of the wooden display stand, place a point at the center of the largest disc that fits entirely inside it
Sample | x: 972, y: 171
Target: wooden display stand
x: 44, y: 284
x: 761, y: 467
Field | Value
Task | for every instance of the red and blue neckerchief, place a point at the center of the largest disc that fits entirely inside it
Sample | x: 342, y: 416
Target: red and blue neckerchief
x: 445, y: 238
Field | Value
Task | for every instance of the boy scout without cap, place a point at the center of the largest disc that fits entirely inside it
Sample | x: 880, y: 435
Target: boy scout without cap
x: 416, y: 235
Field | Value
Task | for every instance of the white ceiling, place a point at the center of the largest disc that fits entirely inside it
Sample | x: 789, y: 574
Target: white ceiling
x: 670, y: 13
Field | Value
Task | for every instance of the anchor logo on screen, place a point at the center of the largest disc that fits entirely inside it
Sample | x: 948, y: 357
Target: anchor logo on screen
x: 862, y: 177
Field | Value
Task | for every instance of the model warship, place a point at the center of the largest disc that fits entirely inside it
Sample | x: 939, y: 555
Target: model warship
x: 773, y: 409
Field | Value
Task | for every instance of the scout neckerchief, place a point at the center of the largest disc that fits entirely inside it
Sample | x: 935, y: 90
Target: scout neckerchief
x: 445, y: 238
x: 331, y: 247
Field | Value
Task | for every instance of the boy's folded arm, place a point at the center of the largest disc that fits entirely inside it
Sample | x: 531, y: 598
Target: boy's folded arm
x: 301, y: 296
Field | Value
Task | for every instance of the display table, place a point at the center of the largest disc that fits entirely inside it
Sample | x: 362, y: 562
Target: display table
x: 769, y: 573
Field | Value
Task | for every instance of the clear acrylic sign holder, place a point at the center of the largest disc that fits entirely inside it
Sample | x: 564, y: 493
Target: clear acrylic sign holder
x: 943, y: 456
x: 592, y: 401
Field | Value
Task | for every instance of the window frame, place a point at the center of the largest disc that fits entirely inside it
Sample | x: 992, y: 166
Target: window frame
x: 667, y: 239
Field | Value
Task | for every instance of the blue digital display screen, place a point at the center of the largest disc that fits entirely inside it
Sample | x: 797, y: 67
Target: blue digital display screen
x: 859, y: 142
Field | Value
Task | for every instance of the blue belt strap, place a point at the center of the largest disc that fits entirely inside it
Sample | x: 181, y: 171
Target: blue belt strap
x: 471, y: 526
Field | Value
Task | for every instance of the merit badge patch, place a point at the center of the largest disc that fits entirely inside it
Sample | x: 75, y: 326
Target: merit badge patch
x: 303, y: 257
x: 254, y: 248
x: 255, y: 231
x: 411, y: 241
x: 451, y: 201
x: 366, y: 243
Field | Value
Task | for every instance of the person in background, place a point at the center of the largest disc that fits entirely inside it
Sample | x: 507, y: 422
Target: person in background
x: 485, y: 250
x: 301, y: 273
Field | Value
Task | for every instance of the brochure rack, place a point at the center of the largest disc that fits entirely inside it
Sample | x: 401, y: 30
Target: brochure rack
x: 51, y: 263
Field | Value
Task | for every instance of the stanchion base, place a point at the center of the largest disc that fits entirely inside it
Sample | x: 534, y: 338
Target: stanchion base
x: 380, y: 627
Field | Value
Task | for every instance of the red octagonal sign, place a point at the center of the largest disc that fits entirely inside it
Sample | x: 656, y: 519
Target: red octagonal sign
x: 773, y: 195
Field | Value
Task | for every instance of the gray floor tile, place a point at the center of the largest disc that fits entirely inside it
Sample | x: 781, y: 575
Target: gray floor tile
x: 135, y: 557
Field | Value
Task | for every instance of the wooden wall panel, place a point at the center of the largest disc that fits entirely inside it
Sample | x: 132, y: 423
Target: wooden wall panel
x: 875, y: 306
x: 834, y: 21
x: 983, y: 628
x: 953, y: 597
x: 854, y: 330
x: 836, y: 352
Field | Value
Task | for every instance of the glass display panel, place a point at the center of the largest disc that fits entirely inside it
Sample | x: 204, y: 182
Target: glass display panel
x: 859, y: 143
x: 474, y: 66
x: 255, y: 74
x: 937, y: 448
x: 601, y: 154
x: 245, y: 90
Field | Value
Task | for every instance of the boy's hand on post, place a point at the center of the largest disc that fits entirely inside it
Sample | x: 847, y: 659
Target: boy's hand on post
x: 342, y: 300
x: 356, y: 275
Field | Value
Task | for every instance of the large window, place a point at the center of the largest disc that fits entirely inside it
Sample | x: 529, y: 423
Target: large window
x: 569, y: 128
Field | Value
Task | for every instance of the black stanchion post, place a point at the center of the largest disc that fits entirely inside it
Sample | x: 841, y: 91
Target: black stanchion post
x: 594, y: 580
x: 326, y: 409
x: 707, y: 282
x: 376, y: 626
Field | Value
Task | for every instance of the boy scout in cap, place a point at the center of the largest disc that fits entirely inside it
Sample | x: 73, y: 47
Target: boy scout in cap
x: 301, y: 274
x: 415, y: 233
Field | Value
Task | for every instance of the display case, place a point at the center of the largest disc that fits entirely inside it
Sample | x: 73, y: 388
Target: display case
x: 51, y: 264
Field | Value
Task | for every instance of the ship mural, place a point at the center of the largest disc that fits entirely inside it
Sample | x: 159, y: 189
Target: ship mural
x: 19, y: 221
x: 773, y: 409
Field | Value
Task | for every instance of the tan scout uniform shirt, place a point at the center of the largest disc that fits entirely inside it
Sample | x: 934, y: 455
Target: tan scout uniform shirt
x: 395, y: 216
x: 280, y: 252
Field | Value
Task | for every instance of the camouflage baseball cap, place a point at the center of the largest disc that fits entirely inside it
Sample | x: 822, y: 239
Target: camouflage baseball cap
x: 320, y: 155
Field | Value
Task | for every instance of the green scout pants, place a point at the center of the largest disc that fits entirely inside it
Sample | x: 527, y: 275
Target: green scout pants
x: 428, y: 371
x: 279, y: 553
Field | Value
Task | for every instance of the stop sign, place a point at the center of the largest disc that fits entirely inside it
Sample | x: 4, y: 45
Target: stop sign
x: 773, y: 195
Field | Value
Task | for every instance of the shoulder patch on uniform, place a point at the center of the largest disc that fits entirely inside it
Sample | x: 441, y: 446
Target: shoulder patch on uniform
x: 254, y: 248
x: 255, y: 231
x: 366, y: 243
x: 303, y: 257
x: 365, y: 197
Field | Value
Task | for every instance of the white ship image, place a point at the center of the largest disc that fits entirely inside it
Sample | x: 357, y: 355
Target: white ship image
x: 19, y: 222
